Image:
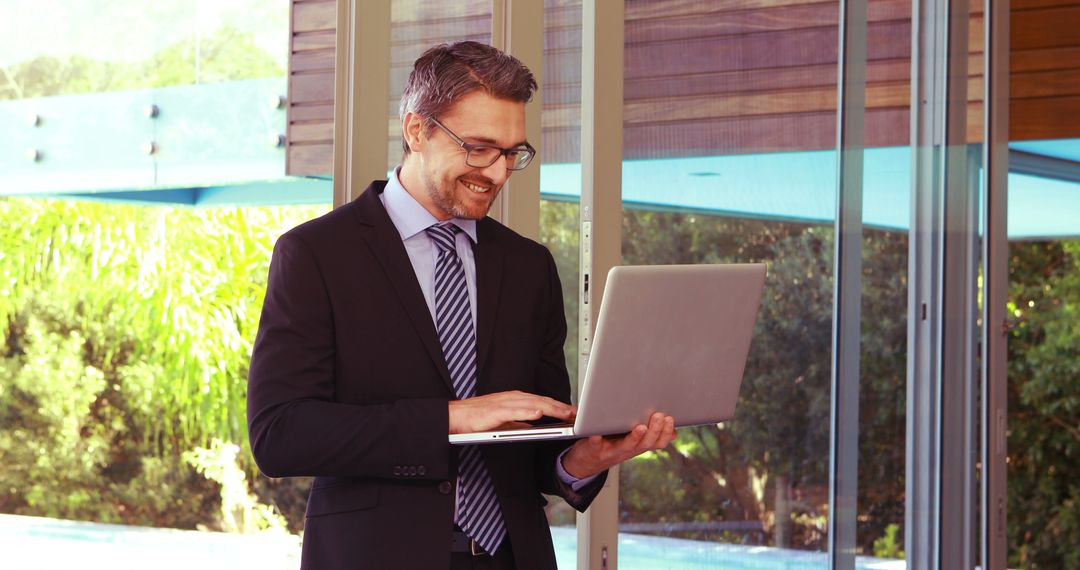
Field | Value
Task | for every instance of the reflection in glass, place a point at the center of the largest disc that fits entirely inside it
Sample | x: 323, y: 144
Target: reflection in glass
x: 730, y: 120
x: 416, y: 26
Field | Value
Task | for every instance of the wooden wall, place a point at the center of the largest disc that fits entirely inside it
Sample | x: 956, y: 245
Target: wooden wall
x: 1045, y: 69
x: 716, y: 77
x: 310, y: 138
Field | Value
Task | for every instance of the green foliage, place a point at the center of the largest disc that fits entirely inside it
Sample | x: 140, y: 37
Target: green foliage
x: 226, y: 55
x: 240, y: 509
x: 1044, y: 405
x: 128, y: 332
x: 889, y: 546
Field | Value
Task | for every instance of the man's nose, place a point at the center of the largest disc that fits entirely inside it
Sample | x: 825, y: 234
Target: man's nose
x: 497, y: 171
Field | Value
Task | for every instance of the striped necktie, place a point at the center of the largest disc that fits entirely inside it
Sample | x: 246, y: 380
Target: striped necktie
x: 478, y: 508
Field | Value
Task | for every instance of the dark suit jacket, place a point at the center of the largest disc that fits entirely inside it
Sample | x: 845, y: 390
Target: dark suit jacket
x: 348, y: 384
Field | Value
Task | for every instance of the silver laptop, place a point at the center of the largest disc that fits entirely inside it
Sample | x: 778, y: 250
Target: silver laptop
x: 669, y: 338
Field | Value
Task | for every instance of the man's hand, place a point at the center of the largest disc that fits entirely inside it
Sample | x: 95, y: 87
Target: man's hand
x: 491, y: 411
x: 592, y: 455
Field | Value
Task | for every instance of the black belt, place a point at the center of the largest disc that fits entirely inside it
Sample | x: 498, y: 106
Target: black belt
x: 461, y: 543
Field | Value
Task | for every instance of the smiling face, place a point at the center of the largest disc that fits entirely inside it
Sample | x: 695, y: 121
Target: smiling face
x: 435, y: 173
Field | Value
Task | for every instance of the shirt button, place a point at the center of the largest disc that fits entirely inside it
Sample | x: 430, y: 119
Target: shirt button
x: 445, y: 487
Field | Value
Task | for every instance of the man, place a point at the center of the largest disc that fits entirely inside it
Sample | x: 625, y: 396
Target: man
x: 407, y: 315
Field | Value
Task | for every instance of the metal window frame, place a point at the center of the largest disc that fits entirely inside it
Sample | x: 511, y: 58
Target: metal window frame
x: 993, y: 490
x: 847, y: 289
x: 941, y: 509
x: 362, y: 50
x: 602, y: 34
x: 514, y: 30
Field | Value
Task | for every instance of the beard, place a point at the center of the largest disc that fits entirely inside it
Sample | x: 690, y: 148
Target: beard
x: 445, y: 197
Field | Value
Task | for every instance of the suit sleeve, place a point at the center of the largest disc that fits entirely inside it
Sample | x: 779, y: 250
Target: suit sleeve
x: 553, y: 372
x: 296, y: 427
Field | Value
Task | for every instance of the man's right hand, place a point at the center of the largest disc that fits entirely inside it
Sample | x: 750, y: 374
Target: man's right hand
x: 490, y: 411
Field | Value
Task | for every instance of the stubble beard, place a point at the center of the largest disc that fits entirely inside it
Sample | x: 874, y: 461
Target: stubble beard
x: 446, y: 201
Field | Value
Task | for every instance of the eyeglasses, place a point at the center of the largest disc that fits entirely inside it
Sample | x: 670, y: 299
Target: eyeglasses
x: 483, y: 156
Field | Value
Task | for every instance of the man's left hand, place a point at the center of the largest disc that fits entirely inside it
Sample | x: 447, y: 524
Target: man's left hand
x: 592, y: 455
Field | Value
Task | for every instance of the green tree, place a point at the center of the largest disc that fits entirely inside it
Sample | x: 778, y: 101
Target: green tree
x: 1044, y: 405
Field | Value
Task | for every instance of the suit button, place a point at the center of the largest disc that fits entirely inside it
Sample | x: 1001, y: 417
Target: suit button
x: 445, y: 487
x: 397, y: 470
x: 421, y: 471
x: 412, y: 471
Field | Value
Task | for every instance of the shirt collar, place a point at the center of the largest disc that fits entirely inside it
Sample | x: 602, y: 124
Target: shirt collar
x: 411, y: 218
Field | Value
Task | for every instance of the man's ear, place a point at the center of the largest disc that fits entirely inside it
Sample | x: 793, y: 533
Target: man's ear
x: 412, y: 128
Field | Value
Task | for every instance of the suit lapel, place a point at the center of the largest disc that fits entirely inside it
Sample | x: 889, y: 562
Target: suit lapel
x: 385, y: 243
x: 489, y: 262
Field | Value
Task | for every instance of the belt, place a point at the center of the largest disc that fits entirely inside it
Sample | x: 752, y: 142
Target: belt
x: 461, y: 543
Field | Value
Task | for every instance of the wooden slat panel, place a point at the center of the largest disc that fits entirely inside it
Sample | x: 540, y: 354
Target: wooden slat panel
x: 759, y: 80
x: 1053, y: 27
x: 434, y: 31
x: 1045, y: 84
x: 419, y: 11
x: 322, y: 39
x: 321, y: 131
x: 657, y: 9
x: 1044, y: 59
x: 561, y: 145
x: 770, y: 103
x: 809, y: 131
x: 298, y: 113
x: 313, y: 16
x: 1019, y: 5
x: 313, y: 60
x: 311, y: 160
x: 312, y: 87
x: 1044, y: 118
x: 802, y: 47
x: 731, y: 23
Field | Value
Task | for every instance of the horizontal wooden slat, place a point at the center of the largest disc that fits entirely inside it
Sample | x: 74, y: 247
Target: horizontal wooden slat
x: 1052, y: 27
x: 1046, y: 84
x: 1053, y: 118
x: 1018, y: 5
x: 419, y: 11
x: 313, y: 16
x: 311, y: 87
x: 320, y: 131
x: 299, y: 113
x: 429, y: 31
x: 1045, y: 59
x: 311, y: 160
x: 657, y: 9
x: 809, y: 131
x: 731, y: 23
x: 322, y: 39
x: 313, y: 60
x: 758, y: 80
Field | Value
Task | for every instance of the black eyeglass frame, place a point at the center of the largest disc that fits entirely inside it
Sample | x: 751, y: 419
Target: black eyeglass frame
x: 504, y: 152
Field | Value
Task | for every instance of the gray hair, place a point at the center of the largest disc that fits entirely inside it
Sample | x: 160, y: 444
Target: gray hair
x: 447, y: 72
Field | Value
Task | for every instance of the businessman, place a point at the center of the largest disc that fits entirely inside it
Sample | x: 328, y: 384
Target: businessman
x: 407, y: 315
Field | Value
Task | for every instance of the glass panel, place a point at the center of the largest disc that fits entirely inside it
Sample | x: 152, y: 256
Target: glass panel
x: 415, y: 26
x: 559, y: 210
x: 729, y: 157
x: 92, y: 47
x: 116, y: 405
x: 1044, y: 368
x: 886, y: 219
